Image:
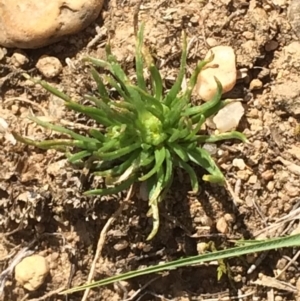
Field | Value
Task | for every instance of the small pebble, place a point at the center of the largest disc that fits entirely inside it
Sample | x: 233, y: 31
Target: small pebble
x: 267, y: 175
x: 121, y: 245
x: 31, y: 272
x: 291, y: 189
x: 19, y: 59
x: 49, y: 66
x: 239, y: 163
x: 230, y: 218
x: 255, y: 84
x: 271, y: 186
x: 210, y: 147
x: 252, y: 179
x: 223, y: 67
x: 228, y: 118
x: 211, y: 42
x: 222, y: 225
x: 271, y: 45
x: 243, y: 175
x: 3, y: 53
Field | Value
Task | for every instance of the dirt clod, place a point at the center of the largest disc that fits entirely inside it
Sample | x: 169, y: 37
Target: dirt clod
x: 31, y: 272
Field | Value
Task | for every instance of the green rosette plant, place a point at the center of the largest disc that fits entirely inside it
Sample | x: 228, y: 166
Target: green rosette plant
x: 145, y: 134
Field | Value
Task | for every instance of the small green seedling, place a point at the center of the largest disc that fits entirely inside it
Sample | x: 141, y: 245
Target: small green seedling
x: 148, y: 131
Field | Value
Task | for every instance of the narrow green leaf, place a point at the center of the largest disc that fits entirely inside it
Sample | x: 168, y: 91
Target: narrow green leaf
x: 118, y: 153
x: 156, y: 82
x: 100, y: 85
x: 121, y: 168
x: 139, y: 66
x: 160, y: 155
x: 194, y: 77
x: 149, y: 99
x: 113, y: 190
x: 94, y: 113
x: 97, y: 134
x: 47, y: 144
x: 217, y: 179
x: 195, y: 131
x: 110, y: 144
x: 98, y: 62
x: 201, y: 157
x: 259, y: 246
x: 191, y: 173
x: 177, y: 85
x: 53, y: 90
x: 207, y: 105
x: 169, y: 169
x: 63, y: 130
x: 179, y: 151
x: 78, y: 156
x: 220, y: 137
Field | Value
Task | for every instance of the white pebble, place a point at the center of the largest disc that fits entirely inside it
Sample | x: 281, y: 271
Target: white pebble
x: 239, y: 163
x: 228, y: 118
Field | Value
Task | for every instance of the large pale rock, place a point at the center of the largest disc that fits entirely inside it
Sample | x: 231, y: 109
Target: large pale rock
x: 223, y: 67
x: 37, y: 23
x: 31, y: 272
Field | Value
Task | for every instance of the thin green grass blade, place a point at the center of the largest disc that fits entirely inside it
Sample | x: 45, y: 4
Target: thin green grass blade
x: 160, y: 155
x: 192, y: 175
x: 60, y: 144
x: 156, y: 80
x: 201, y: 157
x: 139, y: 66
x: 118, y: 153
x: 169, y: 169
x: 79, y: 156
x: 179, y: 151
x: 193, y: 79
x: 100, y: 85
x: 98, y: 62
x: 107, y: 146
x: 49, y: 88
x: 154, y: 194
x: 259, y: 246
x: 106, y: 191
x: 94, y: 113
x: 207, y: 105
x: 120, y: 169
x: 150, y: 100
x: 177, y: 85
x: 63, y: 130
x: 117, y: 70
x: 195, y: 131
x: 97, y: 135
x: 220, y: 137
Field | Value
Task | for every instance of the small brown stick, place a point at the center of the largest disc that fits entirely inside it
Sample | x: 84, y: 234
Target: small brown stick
x: 236, y: 200
x: 292, y: 261
x: 48, y: 295
x: 136, y: 17
x: 27, y: 101
x: 101, y: 241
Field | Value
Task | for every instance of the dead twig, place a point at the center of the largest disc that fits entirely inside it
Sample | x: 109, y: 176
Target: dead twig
x: 22, y: 99
x: 101, y: 241
x: 292, y: 261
